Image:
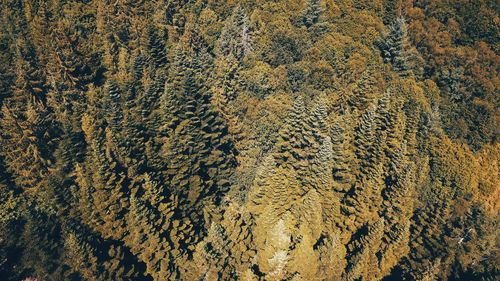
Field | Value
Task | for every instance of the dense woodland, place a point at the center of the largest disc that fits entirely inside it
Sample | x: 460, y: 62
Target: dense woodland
x: 249, y: 140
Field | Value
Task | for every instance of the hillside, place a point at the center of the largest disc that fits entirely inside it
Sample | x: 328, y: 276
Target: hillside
x: 249, y: 140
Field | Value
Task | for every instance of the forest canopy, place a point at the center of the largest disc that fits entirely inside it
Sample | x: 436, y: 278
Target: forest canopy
x: 249, y: 140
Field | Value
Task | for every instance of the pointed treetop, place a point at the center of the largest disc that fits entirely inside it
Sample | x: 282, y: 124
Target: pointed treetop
x: 312, y: 12
x: 235, y: 37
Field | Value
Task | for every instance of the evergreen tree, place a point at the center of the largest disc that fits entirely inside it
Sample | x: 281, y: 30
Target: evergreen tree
x: 397, y: 211
x: 367, y: 149
x: 235, y: 37
x: 363, y: 257
x: 156, y: 49
x: 168, y: 140
x: 296, y: 140
x: 103, y: 183
x: 27, y: 143
x: 76, y: 64
x: 341, y: 158
x: 311, y: 14
x: 201, y: 154
x: 149, y: 238
x: 396, y: 49
x: 6, y: 67
x: 90, y: 257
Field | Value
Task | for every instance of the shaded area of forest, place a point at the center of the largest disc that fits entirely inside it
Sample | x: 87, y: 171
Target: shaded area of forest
x: 249, y: 140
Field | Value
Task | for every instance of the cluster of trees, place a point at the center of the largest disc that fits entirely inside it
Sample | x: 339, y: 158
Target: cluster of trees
x: 249, y: 140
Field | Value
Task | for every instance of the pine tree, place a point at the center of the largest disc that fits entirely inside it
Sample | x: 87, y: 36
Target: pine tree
x: 227, y: 86
x: 275, y: 257
x: 200, y: 159
x: 103, y: 183
x: 30, y: 79
x: 299, y: 196
x: 390, y: 122
x: 296, y: 141
x: 363, y: 258
x: 67, y: 112
x: 275, y: 188
x: 362, y: 90
x: 362, y: 202
x: 271, y: 199
x: 113, y: 101
x: 27, y: 143
x: 235, y: 38
x: 397, y: 211
x: 340, y: 157
x: 429, y: 273
x: 312, y: 13
x: 6, y: 67
x: 213, y: 258
x: 156, y: 49
x: 227, y: 250
x: 149, y: 233
x: 75, y: 63
x: 149, y: 140
x: 367, y: 148
x: 396, y: 49
x: 318, y: 117
x: 428, y: 233
x: 332, y: 255
x: 91, y: 257
x: 321, y: 180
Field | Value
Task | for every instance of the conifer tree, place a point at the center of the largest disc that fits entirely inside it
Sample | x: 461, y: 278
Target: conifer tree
x: 363, y: 258
x: 396, y: 49
x: 75, y: 65
x: 30, y: 80
x: 27, y: 141
x: 201, y: 155
x: 367, y: 149
x: 428, y: 234
x: 318, y: 117
x: 235, y: 37
x: 103, y: 183
x: 227, y: 250
x: 390, y: 122
x: 93, y: 258
x: 307, y: 192
x: 322, y: 182
x: 113, y: 101
x: 296, y: 138
x: 227, y: 86
x: 362, y: 202
x: 6, y: 68
x: 397, y: 211
x: 340, y: 157
x: 156, y: 49
x: 312, y: 12
x: 213, y: 256
x: 362, y: 90
x: 171, y: 101
x: 149, y: 239
x: 395, y: 46
x: 274, y: 257
x: 157, y: 140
